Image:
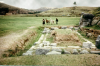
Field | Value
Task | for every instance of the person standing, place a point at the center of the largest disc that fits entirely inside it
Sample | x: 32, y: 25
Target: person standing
x: 56, y: 21
x: 43, y: 22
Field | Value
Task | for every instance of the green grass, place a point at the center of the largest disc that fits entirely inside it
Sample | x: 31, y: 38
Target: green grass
x: 84, y: 59
x: 28, y: 44
x: 10, y: 24
x: 84, y: 36
x: 95, y: 27
x: 50, y: 38
x: 33, y: 39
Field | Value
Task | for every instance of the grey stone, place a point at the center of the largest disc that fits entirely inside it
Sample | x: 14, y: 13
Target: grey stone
x: 76, y: 28
x: 36, y: 43
x: 53, y: 44
x: 95, y: 52
x: 58, y: 50
x: 54, y: 28
x: 64, y: 27
x: 75, y: 51
x: 41, y: 45
x: 70, y: 27
x: 32, y: 48
x: 25, y: 54
x: 84, y: 52
x: 87, y: 45
x: 44, y: 32
x: 41, y: 51
x: 73, y: 47
x: 48, y: 31
x: 28, y: 53
x: 46, y: 43
x: 67, y: 52
x: 53, y: 53
x: 94, y: 22
x: 86, y: 23
x: 79, y: 50
x: 45, y: 29
x: 98, y: 42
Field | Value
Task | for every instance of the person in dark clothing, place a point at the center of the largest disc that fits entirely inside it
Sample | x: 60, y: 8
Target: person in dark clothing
x: 56, y: 21
x: 43, y: 22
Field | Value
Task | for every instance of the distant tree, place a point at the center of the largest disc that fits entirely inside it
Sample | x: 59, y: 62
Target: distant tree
x: 74, y: 3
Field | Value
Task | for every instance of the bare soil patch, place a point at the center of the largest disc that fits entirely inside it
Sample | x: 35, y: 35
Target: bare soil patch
x: 66, y: 37
x: 91, y: 33
x: 14, y: 40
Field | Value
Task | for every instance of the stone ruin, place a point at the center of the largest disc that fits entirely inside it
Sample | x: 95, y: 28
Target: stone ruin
x: 43, y: 47
x: 86, y: 20
x: 98, y: 42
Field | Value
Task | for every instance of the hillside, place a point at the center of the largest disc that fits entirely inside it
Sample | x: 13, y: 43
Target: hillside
x: 44, y: 9
x: 97, y: 12
x: 68, y: 11
x: 4, y: 8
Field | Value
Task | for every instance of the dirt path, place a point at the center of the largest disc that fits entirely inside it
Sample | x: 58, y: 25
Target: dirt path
x: 8, y: 41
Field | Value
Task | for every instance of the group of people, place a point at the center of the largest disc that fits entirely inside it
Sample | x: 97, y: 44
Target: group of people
x: 43, y: 21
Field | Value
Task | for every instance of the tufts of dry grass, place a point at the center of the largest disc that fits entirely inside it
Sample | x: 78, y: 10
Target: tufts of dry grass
x: 76, y: 60
x: 65, y: 35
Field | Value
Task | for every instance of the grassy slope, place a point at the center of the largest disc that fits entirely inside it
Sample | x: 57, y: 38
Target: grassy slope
x: 69, y: 10
x: 13, y: 24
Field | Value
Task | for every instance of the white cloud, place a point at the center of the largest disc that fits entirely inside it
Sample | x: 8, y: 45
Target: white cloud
x: 1, y: 1
x: 34, y: 4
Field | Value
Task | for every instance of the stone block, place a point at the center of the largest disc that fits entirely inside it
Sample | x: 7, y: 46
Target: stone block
x: 84, y: 52
x: 36, y: 43
x: 87, y: 45
x: 44, y: 32
x: 76, y: 28
x: 46, y: 43
x: 76, y: 47
x: 45, y: 29
x: 41, y: 51
x: 70, y: 27
x: 67, y: 52
x: 53, y: 44
x: 95, y: 52
x: 47, y: 46
x: 53, y: 53
x: 28, y: 53
x: 41, y: 45
x: 54, y: 28
x: 98, y: 42
x: 64, y: 27
x: 85, y: 23
x: 58, y: 50
x: 32, y: 48
x: 75, y: 51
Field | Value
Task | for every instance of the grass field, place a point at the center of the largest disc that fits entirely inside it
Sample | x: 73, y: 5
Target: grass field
x: 14, y: 24
x: 10, y: 24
